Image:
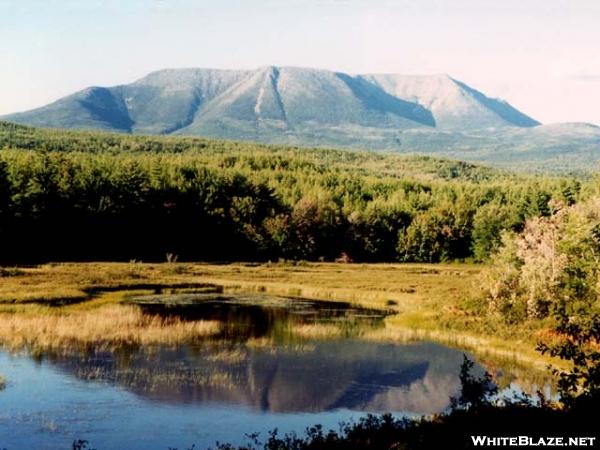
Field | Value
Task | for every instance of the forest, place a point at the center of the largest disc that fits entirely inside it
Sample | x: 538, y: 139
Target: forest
x: 80, y: 196
x: 99, y: 196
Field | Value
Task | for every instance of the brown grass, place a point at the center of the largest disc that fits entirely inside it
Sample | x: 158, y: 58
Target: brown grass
x: 428, y: 298
x: 492, y: 347
x: 229, y: 355
x: 367, y: 284
x: 317, y: 331
x: 107, y: 325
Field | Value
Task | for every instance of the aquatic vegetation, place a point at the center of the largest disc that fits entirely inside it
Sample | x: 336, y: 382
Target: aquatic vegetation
x: 110, y: 325
x: 6, y: 272
x: 493, y: 347
x: 369, y: 285
x: 431, y: 300
x: 2, y: 382
x: 318, y: 330
x: 228, y: 356
x: 157, y: 379
x: 272, y: 373
x: 92, y: 283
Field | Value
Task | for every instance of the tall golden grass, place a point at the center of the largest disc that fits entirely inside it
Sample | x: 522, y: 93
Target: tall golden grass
x: 374, y: 285
x: 317, y: 330
x: 105, y: 325
x: 428, y: 300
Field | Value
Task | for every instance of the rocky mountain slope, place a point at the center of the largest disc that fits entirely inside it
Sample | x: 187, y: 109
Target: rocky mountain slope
x: 274, y: 100
x: 310, y: 107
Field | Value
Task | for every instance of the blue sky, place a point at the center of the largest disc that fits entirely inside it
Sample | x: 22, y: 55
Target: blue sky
x: 543, y: 56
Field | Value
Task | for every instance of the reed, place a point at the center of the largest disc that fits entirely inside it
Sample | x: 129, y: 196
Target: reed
x: 228, y: 356
x: 156, y: 379
x: 517, y: 352
x: 109, y: 325
x: 373, y: 285
x: 317, y: 331
x: 431, y: 301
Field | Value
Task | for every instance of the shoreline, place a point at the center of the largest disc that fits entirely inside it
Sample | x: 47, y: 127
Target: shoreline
x: 428, y: 300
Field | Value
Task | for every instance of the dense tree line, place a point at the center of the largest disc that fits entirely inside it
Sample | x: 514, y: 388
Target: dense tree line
x: 67, y: 195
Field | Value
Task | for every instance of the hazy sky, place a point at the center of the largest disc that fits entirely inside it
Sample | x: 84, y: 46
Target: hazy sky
x: 543, y: 56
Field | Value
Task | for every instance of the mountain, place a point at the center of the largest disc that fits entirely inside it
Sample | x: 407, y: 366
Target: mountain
x: 275, y: 100
x: 310, y: 107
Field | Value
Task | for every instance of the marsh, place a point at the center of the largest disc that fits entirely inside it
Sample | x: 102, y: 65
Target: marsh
x: 257, y: 363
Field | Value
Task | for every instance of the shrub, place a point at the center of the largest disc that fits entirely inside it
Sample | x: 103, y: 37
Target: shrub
x: 554, y: 259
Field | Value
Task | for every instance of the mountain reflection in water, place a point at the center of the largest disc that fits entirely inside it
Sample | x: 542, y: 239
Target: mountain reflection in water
x: 275, y: 363
x: 257, y: 361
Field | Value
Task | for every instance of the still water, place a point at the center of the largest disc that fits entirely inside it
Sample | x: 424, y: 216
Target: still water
x: 258, y: 374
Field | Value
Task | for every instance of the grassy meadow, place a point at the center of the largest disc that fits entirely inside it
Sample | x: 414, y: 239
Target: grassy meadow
x: 51, y: 305
x: 479, y: 259
x: 418, y: 232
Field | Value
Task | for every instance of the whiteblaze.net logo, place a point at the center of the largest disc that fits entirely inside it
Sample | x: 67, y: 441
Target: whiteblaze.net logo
x: 528, y: 441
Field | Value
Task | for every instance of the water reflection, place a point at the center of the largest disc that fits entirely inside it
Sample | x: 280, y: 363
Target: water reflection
x: 276, y: 363
x: 259, y: 360
x: 313, y: 377
x: 257, y: 316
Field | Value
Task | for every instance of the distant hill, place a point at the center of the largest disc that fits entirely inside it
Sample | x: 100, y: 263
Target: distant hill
x: 492, y: 152
x: 320, y: 108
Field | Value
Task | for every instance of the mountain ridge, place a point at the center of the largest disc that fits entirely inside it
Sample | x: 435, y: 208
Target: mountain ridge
x: 171, y: 100
x: 429, y: 114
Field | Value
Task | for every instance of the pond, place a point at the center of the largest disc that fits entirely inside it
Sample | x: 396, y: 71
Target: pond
x: 276, y: 363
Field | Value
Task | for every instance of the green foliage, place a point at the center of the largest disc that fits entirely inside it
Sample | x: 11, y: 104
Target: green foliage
x: 78, y: 195
x: 579, y: 387
x: 554, y: 260
x: 489, y: 221
x: 441, y: 233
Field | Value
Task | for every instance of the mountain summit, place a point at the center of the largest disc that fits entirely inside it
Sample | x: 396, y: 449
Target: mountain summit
x: 432, y: 114
x: 272, y: 102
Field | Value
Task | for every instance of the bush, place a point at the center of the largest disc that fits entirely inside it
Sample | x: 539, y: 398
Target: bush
x: 553, y: 260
